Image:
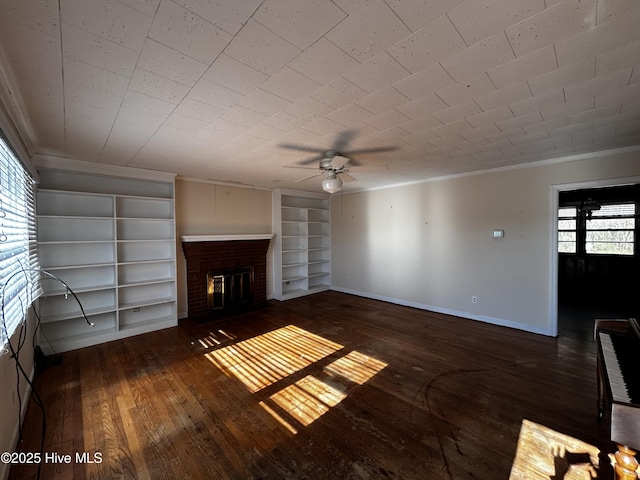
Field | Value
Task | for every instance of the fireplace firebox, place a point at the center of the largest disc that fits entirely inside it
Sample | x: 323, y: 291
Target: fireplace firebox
x: 229, y: 289
x: 225, y: 271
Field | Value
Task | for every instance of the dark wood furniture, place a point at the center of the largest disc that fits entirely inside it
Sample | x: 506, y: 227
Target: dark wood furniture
x: 618, y: 367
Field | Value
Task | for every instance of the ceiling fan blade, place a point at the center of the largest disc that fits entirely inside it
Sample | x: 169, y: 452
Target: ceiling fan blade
x: 343, y: 139
x: 303, y: 148
x: 339, y: 161
x: 308, y: 177
x: 311, y: 160
x: 352, y: 162
x: 302, y: 168
x: 334, y: 160
x: 369, y: 150
x: 355, y: 163
x: 345, y: 177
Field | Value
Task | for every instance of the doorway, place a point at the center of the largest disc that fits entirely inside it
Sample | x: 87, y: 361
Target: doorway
x: 596, y: 259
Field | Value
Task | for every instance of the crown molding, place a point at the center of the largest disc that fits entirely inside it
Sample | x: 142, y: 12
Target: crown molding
x: 52, y: 162
x: 520, y: 166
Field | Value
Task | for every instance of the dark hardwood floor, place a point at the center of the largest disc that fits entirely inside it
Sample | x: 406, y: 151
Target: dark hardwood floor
x: 329, y: 386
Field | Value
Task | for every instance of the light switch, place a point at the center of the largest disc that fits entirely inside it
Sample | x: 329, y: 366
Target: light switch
x: 498, y: 233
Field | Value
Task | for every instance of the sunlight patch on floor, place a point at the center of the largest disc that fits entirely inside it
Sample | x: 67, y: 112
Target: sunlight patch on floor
x: 209, y: 341
x: 279, y: 418
x: 307, y: 399
x: 263, y: 360
x: 356, y: 366
x: 543, y: 453
x: 266, y: 359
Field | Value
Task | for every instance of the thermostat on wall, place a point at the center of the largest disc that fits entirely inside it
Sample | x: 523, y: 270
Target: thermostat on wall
x: 498, y: 233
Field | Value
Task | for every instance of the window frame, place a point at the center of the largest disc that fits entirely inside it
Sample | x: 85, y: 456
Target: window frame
x: 568, y: 230
x: 598, y: 215
x: 584, y: 214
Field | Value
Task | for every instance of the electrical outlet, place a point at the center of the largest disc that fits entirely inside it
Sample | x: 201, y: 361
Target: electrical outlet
x: 474, y: 299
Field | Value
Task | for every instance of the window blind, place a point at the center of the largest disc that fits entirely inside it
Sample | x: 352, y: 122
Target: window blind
x: 19, y: 274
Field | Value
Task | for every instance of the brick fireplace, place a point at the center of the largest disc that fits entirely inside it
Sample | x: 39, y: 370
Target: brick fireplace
x: 224, y: 255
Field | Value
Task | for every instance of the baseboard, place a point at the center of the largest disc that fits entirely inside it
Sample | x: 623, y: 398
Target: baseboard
x: 422, y: 306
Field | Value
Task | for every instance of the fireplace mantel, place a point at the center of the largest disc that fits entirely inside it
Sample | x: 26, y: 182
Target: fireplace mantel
x: 225, y: 238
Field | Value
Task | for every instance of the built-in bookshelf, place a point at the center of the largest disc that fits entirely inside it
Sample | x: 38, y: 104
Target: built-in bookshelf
x: 111, y: 240
x: 302, y: 243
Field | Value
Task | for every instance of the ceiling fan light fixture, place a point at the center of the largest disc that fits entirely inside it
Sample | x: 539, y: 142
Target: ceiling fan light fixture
x: 332, y: 184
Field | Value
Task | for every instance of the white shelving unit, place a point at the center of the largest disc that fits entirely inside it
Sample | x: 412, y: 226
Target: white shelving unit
x: 112, y: 241
x: 302, y: 227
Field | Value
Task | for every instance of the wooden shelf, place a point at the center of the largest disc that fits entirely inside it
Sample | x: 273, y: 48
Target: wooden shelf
x: 112, y: 240
x: 89, y: 312
x: 146, y: 303
x: 301, y: 223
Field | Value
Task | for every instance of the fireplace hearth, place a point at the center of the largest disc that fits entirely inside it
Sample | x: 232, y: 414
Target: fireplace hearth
x: 225, y: 272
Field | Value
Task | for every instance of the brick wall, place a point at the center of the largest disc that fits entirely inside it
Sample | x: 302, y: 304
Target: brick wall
x: 203, y: 257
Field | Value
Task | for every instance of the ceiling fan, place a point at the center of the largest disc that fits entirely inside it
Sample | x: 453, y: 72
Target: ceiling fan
x: 333, y: 162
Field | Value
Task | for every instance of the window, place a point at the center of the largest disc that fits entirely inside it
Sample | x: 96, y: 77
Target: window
x: 567, y: 229
x: 610, y: 230
x: 597, y: 229
x: 18, y: 255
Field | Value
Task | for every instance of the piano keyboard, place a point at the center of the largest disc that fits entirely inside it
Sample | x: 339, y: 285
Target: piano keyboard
x: 619, y: 389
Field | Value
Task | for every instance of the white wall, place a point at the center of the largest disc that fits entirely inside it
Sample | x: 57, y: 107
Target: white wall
x: 8, y: 393
x: 430, y: 244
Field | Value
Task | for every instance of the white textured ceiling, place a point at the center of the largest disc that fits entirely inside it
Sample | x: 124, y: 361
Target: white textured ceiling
x: 213, y: 89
